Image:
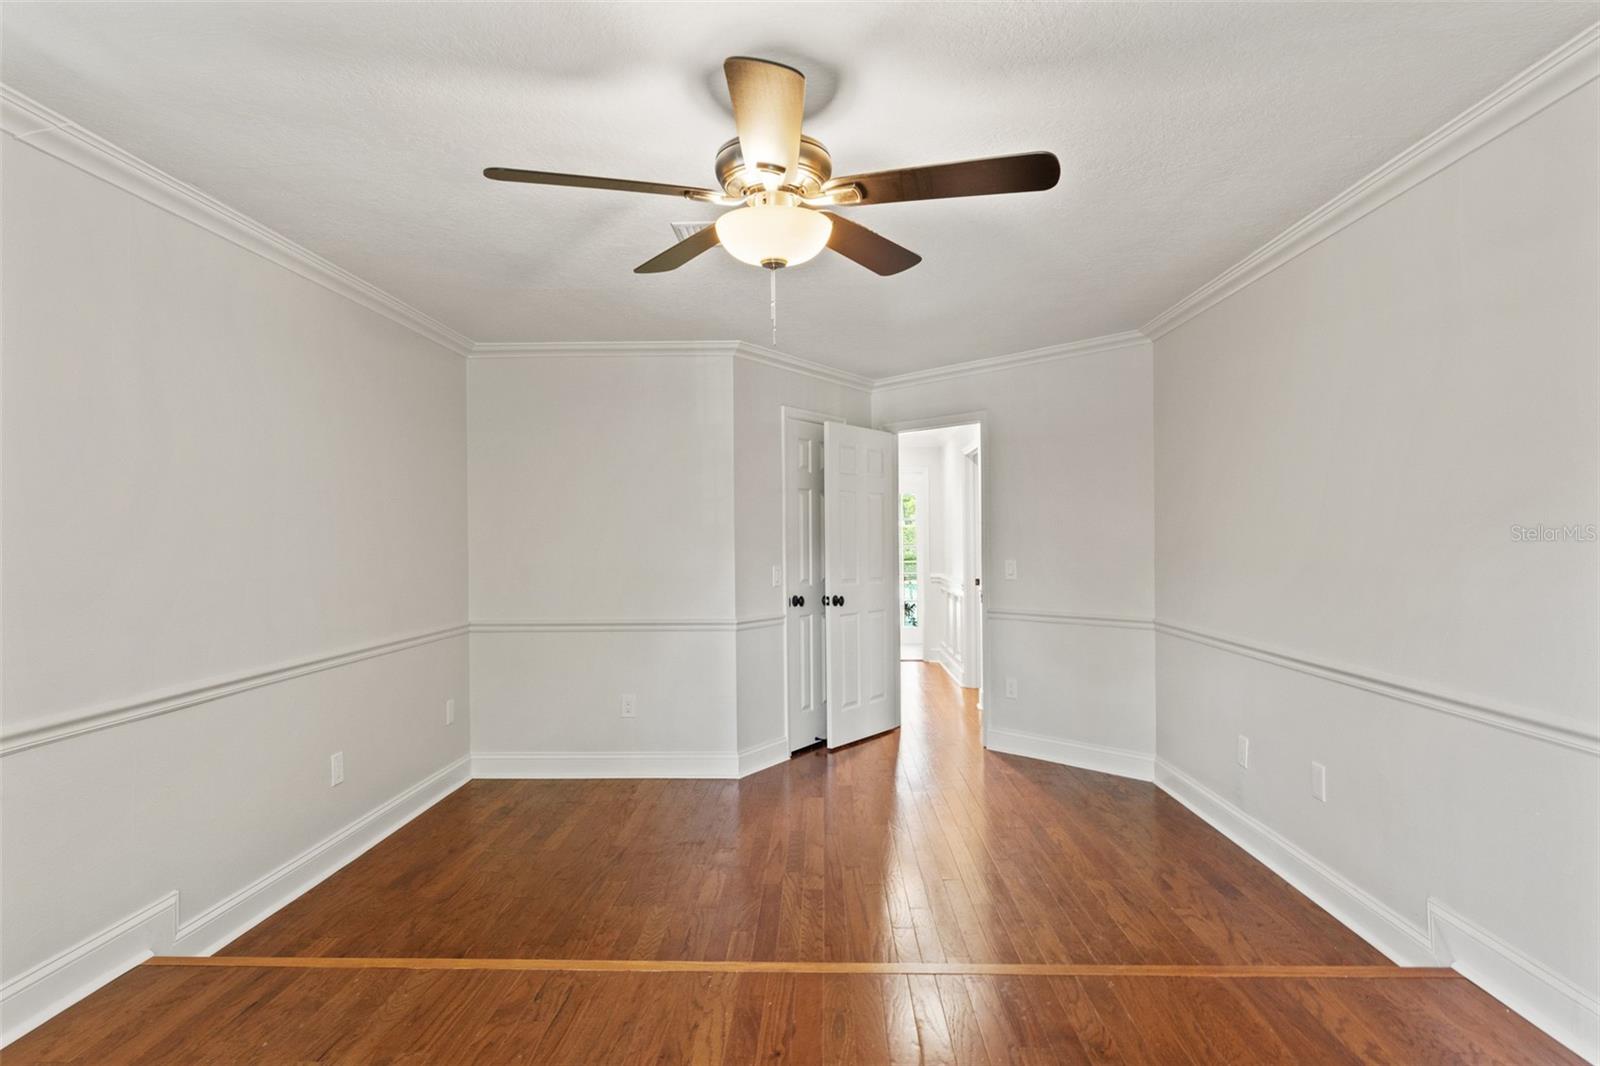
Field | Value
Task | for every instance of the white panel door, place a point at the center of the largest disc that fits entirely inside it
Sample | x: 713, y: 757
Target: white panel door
x: 803, y: 580
x: 861, y: 505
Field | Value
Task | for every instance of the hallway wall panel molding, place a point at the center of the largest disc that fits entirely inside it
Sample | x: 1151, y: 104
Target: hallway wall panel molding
x: 1563, y: 71
x: 1521, y: 721
x: 39, y: 127
x: 89, y: 720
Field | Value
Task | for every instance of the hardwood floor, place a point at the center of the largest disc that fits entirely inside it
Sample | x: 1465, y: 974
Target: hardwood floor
x: 917, y: 846
x: 281, y: 1015
x: 909, y: 899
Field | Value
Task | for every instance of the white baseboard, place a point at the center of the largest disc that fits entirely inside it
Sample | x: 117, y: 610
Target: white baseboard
x: 951, y: 667
x: 1138, y: 765
x: 33, y: 997
x: 225, y: 920
x: 1369, y: 918
x: 599, y: 764
x: 762, y: 756
x: 1548, y: 1000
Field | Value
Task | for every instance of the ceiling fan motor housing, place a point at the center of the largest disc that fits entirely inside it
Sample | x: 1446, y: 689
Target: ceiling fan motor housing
x: 814, y: 168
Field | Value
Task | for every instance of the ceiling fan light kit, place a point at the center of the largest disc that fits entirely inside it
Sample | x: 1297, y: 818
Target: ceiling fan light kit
x: 778, y: 181
x: 774, y: 231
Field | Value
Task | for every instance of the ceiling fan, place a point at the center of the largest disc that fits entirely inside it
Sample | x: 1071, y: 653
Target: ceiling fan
x: 780, y: 183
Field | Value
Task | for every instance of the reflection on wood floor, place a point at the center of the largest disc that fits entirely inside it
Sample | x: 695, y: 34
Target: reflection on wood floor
x: 1122, y: 920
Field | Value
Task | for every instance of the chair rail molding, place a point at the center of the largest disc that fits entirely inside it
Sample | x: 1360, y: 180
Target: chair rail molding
x: 1512, y: 719
x: 1061, y: 618
x: 105, y: 716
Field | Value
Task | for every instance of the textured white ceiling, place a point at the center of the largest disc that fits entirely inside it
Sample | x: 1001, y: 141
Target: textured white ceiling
x: 1189, y: 134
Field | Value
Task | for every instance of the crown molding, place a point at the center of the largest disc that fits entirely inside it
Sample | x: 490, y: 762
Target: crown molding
x: 33, y: 124
x: 1111, y: 342
x: 1558, y: 74
x: 753, y: 353
x: 597, y: 349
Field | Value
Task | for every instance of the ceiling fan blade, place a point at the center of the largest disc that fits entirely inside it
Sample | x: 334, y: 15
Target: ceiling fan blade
x: 877, y: 253
x: 583, y: 181
x: 1029, y: 172
x: 681, y: 253
x: 769, y: 103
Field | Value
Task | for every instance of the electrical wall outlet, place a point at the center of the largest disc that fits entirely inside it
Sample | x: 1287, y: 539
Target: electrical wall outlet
x: 449, y: 712
x: 630, y: 705
x: 777, y: 576
x: 336, y: 769
x: 1319, y: 781
x: 1011, y: 688
x: 1243, y: 751
x: 1011, y: 569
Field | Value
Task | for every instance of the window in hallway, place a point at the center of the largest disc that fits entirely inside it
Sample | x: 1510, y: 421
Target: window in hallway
x: 908, y: 560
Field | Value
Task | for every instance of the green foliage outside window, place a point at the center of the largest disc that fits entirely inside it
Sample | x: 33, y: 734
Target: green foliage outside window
x: 908, y: 558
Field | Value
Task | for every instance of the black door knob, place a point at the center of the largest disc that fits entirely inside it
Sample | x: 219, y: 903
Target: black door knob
x: 838, y: 601
x: 797, y: 601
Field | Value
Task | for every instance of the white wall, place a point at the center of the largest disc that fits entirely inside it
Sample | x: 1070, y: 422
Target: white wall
x: 601, y: 531
x: 626, y: 514
x: 1344, y: 448
x: 217, y: 474
x: 1067, y: 453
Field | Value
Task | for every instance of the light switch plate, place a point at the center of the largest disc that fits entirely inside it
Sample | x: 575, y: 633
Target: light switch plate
x: 1319, y: 781
x: 336, y: 769
x: 1243, y: 752
x: 1011, y: 569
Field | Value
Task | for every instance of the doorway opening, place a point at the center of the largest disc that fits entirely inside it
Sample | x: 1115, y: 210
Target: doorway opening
x: 941, y: 548
x: 882, y: 562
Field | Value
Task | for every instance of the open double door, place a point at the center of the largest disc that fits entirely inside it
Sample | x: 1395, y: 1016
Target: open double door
x: 842, y: 570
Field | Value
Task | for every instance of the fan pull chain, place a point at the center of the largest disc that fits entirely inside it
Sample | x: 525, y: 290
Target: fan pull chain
x: 774, y: 276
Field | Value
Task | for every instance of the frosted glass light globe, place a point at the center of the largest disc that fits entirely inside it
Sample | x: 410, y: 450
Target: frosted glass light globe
x: 774, y: 235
